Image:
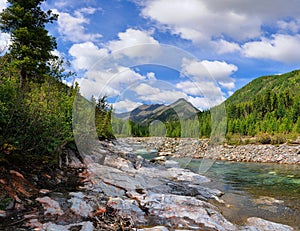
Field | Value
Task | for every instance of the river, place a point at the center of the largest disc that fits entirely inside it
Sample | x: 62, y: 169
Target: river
x: 269, y: 191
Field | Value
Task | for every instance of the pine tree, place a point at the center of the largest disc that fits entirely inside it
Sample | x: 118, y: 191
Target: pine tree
x: 31, y: 44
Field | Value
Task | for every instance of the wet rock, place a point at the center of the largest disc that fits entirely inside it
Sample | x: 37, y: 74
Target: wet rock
x: 258, y: 224
x: 265, y: 200
x: 159, y: 159
x: 180, y: 174
x: 171, y: 164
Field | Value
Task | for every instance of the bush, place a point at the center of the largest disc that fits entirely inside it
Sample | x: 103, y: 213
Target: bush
x: 264, y: 138
x: 278, y: 139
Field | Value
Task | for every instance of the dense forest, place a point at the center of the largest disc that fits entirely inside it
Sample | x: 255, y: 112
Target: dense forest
x: 35, y: 106
x: 267, y: 108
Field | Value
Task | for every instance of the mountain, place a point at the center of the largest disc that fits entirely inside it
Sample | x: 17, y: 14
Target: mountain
x: 268, y: 104
x: 261, y: 86
x: 181, y: 109
x: 122, y: 116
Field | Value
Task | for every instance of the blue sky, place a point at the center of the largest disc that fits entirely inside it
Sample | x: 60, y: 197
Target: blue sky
x: 156, y: 51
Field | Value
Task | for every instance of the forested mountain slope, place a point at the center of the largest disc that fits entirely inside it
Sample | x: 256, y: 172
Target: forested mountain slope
x: 267, y: 104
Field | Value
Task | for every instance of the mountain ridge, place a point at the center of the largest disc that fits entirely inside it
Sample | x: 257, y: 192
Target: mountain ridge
x: 146, y: 113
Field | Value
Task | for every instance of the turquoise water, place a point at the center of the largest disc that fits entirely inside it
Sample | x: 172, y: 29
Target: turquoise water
x: 269, y: 191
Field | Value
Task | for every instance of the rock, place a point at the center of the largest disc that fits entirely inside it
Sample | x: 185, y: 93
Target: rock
x: 128, y: 208
x: 156, y: 228
x: 83, y: 226
x: 258, y: 224
x: 164, y: 153
x: 265, y: 200
x: 180, y: 174
x: 158, y: 159
x: 44, y: 191
x: 79, y: 206
x: 2, y: 214
x: 171, y: 164
x: 185, y: 212
x: 50, y: 206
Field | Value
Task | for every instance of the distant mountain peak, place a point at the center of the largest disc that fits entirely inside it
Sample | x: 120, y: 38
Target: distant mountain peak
x: 180, y: 109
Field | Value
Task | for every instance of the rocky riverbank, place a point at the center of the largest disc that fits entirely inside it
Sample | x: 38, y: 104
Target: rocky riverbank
x: 196, y: 148
x: 122, y: 191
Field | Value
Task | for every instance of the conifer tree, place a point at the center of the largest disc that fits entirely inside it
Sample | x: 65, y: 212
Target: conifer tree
x: 31, y: 44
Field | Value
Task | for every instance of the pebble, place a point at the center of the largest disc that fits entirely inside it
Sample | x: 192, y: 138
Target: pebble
x: 196, y: 148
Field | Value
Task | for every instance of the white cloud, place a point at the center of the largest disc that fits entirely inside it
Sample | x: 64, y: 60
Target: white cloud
x: 125, y: 105
x: 292, y: 26
x: 145, y: 89
x: 204, y: 88
x: 86, y: 55
x: 201, y: 20
x: 164, y: 96
x: 130, y: 43
x: 228, y: 85
x: 4, y: 37
x: 204, y: 103
x: 4, y: 42
x: 151, y: 76
x: 86, y: 10
x: 3, y: 5
x: 198, y: 21
x: 108, y: 82
x: 208, y: 71
x: 222, y: 46
x: 281, y: 47
x: 72, y: 28
x: 220, y: 71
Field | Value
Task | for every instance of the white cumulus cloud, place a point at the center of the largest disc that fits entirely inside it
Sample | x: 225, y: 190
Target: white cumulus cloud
x: 72, y: 27
x: 145, y: 89
x: 208, y: 71
x: 198, y: 20
x: 125, y: 105
x: 201, y: 20
x: 130, y: 43
x: 222, y: 46
x: 281, y: 47
x: 86, y: 55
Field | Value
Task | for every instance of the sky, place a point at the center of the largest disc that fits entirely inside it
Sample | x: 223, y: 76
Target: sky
x: 156, y: 51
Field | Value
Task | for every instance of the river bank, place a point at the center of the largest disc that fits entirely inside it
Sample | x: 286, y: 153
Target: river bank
x: 122, y: 191
x: 196, y: 148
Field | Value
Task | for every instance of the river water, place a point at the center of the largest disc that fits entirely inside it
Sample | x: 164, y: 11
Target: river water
x: 268, y: 191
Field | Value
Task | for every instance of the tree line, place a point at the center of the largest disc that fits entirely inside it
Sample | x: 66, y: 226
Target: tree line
x: 268, y: 105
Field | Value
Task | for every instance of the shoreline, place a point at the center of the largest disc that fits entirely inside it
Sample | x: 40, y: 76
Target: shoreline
x: 125, y: 191
x: 200, y: 148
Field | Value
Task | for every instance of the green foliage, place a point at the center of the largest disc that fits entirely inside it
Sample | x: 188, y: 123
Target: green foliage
x: 4, y: 202
x: 138, y: 130
x: 35, y: 106
x: 121, y: 128
x: 173, y: 128
x: 103, y: 119
x: 36, y: 123
x: 266, y: 106
x: 31, y: 44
